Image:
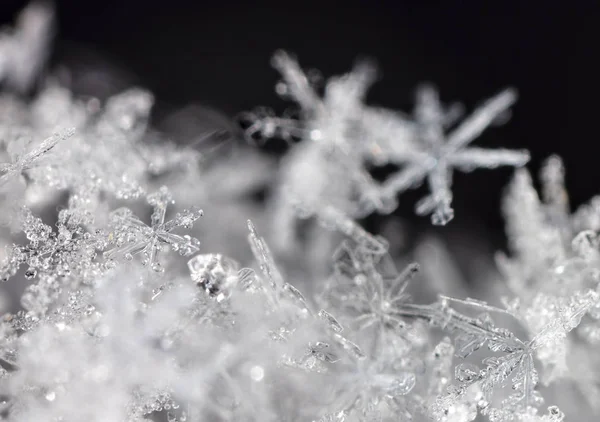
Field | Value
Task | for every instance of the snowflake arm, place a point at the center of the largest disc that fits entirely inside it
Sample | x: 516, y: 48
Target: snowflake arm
x: 481, y: 118
x: 554, y: 192
x: 264, y: 257
x: 409, y: 177
x: 441, y: 153
x: 472, y: 158
x: 297, y: 85
x: 438, y: 202
x: 28, y: 160
x: 333, y: 218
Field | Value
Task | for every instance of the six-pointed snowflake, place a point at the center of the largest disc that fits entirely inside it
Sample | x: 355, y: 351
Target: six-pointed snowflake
x: 132, y: 236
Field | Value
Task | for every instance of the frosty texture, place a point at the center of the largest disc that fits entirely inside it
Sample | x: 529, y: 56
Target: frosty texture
x: 107, y: 323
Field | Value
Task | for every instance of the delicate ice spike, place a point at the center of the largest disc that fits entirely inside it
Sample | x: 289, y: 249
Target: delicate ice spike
x: 296, y: 82
x: 429, y: 114
x: 529, y: 379
x: 128, y: 250
x: 552, y: 176
x: 481, y: 118
x: 330, y: 320
x: 472, y: 158
x: 350, y: 347
x: 335, y: 219
x: 46, y: 146
x: 159, y: 200
x: 247, y: 278
x: 371, y: 195
x: 440, y: 210
x: 438, y: 202
x: 400, y: 283
x: 356, y: 83
x: 409, y: 177
x: 264, y: 258
x: 453, y: 114
x: 321, y: 351
x: 476, y: 304
x: 296, y: 296
x: 30, y: 159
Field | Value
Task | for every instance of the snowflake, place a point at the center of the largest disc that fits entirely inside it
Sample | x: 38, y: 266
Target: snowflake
x: 367, y: 297
x: 132, y: 236
x: 440, y: 153
x: 323, y: 176
x: 517, y: 364
x: 332, y: 140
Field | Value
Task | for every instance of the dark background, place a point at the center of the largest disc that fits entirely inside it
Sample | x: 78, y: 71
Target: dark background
x: 217, y: 54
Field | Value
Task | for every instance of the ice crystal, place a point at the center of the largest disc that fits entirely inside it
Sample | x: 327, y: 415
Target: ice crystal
x: 21, y: 159
x: 365, y: 297
x: 440, y: 153
x: 515, y: 366
x: 131, y: 236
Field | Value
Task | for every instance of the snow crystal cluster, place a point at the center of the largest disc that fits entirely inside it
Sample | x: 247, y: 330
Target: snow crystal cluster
x: 144, y: 281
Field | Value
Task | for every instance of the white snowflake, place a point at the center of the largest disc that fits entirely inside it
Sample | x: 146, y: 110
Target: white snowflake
x: 132, y: 236
x: 440, y: 153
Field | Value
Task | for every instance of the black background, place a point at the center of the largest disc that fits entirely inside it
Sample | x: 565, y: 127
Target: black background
x: 217, y: 54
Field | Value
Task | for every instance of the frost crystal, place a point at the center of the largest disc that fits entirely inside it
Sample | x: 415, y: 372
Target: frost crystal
x: 21, y: 159
x: 131, y: 236
x: 440, y: 153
